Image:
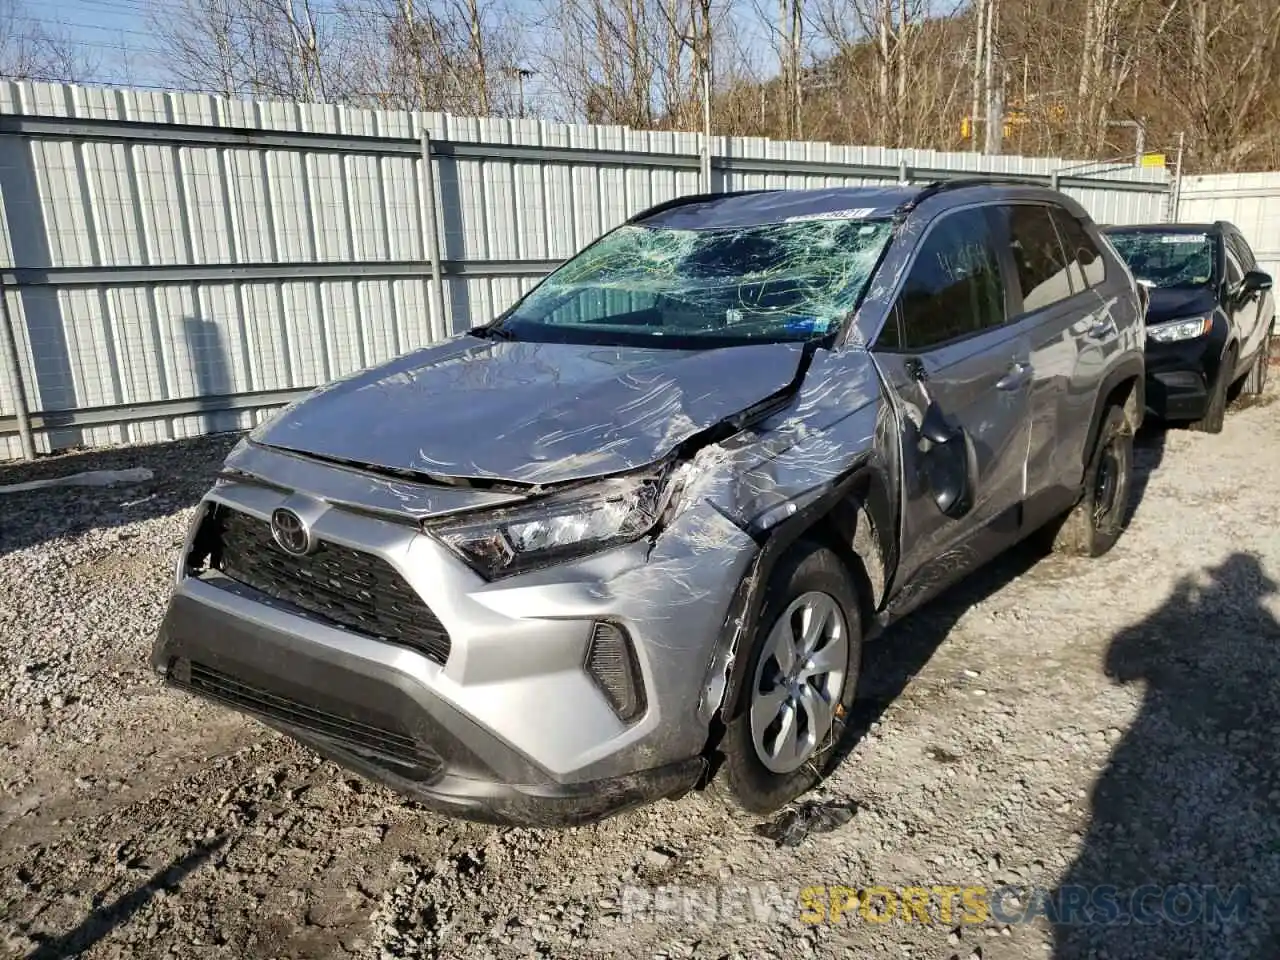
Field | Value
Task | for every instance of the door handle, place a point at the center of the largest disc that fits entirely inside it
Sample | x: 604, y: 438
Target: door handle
x: 1102, y: 328
x: 1018, y: 376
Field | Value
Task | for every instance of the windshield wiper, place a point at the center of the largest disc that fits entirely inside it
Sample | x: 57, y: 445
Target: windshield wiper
x: 489, y: 332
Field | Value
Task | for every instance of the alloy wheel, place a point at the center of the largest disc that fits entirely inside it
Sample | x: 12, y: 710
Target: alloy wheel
x: 799, y: 680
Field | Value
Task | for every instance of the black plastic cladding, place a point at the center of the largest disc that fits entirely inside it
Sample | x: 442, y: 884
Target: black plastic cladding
x: 416, y: 759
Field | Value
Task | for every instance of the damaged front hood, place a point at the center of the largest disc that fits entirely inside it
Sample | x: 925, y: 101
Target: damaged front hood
x: 529, y: 412
x: 1178, y: 303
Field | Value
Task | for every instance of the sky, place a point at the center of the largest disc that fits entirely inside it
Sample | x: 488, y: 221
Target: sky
x: 113, y: 36
x: 115, y: 39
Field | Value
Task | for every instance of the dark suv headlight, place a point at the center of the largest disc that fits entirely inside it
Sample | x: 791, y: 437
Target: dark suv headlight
x: 557, y: 527
x: 1187, y: 328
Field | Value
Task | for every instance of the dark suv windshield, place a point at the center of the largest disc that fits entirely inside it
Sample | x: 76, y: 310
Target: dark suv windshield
x: 657, y: 286
x: 1166, y: 259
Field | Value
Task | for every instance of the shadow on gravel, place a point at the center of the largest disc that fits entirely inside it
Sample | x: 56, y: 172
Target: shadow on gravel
x: 1148, y: 453
x: 182, y: 470
x: 1184, y: 841
x: 892, y: 661
x: 105, y: 919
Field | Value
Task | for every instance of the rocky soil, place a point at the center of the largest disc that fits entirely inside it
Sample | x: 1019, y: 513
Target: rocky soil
x: 1053, y: 723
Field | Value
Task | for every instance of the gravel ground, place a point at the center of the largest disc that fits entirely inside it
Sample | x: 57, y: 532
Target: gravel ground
x: 1050, y: 722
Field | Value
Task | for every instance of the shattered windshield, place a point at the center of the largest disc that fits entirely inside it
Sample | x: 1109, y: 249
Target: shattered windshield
x: 1170, y: 259
x: 658, y: 286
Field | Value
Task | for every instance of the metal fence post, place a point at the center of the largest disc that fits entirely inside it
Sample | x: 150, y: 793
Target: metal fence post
x: 441, y: 325
x: 15, y: 379
x: 1175, y: 201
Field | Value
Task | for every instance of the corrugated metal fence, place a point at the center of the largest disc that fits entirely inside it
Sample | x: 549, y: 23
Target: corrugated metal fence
x: 1249, y: 200
x: 175, y: 264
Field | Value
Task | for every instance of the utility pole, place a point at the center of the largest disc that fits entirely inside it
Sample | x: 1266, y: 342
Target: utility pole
x: 1177, y: 180
x: 521, y: 74
x: 706, y: 122
x: 980, y: 10
x: 995, y: 105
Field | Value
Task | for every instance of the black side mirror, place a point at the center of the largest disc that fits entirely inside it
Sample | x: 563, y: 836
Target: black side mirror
x: 1255, y: 281
x: 945, y: 466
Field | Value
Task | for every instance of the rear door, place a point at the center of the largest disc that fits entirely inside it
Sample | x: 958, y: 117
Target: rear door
x: 1097, y: 343
x: 1246, y: 310
x: 947, y: 339
x: 1058, y: 324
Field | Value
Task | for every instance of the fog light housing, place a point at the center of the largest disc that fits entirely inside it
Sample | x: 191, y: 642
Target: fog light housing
x: 611, y: 662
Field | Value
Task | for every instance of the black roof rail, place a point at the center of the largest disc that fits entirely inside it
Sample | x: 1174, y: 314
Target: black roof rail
x: 689, y: 199
x: 977, y: 180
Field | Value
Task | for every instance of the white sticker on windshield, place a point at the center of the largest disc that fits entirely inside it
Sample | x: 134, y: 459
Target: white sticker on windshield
x: 1183, y: 238
x: 857, y: 214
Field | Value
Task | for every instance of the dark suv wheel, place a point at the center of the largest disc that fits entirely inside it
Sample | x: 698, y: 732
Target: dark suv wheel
x: 1255, y: 381
x: 799, y: 683
x: 1216, y: 413
x: 1095, y: 523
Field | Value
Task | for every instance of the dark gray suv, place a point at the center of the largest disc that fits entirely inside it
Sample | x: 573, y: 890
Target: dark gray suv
x: 630, y: 536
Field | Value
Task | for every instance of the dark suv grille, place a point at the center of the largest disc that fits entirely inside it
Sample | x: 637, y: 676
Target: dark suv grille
x: 351, y: 588
x: 362, y: 738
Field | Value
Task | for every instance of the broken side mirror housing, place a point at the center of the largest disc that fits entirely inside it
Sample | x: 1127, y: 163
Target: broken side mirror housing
x: 948, y: 463
x: 1255, y: 281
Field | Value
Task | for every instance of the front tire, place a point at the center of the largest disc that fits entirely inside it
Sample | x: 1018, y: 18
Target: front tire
x: 1216, y: 414
x: 1095, y: 523
x: 801, y: 676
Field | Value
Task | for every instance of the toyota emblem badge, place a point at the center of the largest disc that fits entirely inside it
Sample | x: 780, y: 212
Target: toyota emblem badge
x: 290, y: 532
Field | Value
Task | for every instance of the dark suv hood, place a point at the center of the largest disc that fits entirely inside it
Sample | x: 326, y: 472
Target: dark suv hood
x: 529, y: 412
x: 1176, y: 302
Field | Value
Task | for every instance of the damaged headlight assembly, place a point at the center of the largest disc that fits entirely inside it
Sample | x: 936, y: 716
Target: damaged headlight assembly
x: 558, y: 526
x: 1175, y: 330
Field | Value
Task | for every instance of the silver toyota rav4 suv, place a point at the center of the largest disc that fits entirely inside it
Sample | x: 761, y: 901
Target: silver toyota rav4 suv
x: 628, y: 538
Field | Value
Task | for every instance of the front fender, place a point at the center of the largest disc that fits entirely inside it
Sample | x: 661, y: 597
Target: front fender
x: 1131, y: 368
x: 855, y: 512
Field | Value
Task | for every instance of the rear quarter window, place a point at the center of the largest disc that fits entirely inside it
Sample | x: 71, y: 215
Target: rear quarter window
x: 1086, y: 263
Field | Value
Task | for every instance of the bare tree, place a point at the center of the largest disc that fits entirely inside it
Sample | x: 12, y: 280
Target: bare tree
x: 28, y: 51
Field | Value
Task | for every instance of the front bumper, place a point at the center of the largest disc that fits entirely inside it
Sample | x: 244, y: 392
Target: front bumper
x: 1181, y: 376
x: 376, y: 720
x: 510, y: 727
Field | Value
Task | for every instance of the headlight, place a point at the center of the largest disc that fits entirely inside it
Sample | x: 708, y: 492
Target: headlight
x: 1175, y: 330
x: 555, y: 528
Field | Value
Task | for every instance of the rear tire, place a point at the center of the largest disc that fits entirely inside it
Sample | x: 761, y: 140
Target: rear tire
x: 1093, y: 525
x: 787, y: 725
x: 1255, y: 381
x: 1216, y: 414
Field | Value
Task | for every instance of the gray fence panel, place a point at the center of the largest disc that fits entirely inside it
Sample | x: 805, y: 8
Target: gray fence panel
x: 1249, y: 200
x: 176, y: 264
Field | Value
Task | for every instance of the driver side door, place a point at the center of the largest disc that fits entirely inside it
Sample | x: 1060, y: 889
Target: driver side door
x: 948, y: 343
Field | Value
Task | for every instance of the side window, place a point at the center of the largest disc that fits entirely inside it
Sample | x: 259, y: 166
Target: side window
x: 1234, y: 273
x: 1037, y: 252
x: 1244, y: 255
x: 954, y: 288
x: 1087, y: 265
x: 890, y: 337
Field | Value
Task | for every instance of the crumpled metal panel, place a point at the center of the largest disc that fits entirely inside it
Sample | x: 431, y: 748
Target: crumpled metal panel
x: 529, y: 413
